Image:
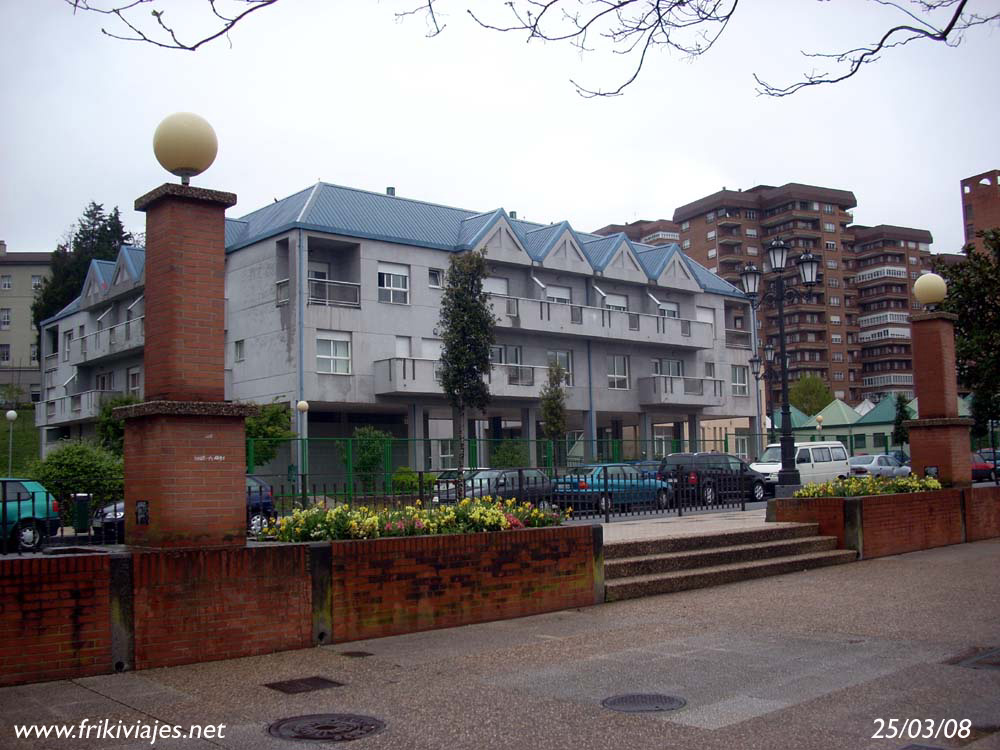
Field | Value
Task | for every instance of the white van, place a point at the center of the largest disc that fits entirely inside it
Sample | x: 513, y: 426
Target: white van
x: 816, y: 462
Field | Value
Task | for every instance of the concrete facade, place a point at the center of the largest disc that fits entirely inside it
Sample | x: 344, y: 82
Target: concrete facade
x: 21, y: 274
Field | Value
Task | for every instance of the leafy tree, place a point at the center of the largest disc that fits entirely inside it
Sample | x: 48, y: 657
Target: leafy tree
x: 631, y: 28
x: 97, y: 236
x: 553, y: 410
x: 268, y: 429
x: 81, y: 466
x: 900, y: 434
x: 509, y: 454
x: 467, y: 327
x: 406, y: 481
x: 973, y: 291
x: 11, y: 394
x: 809, y: 394
x: 369, y: 451
x: 111, y: 429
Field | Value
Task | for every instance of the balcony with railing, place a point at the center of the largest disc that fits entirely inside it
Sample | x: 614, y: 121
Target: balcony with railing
x: 661, y: 390
x: 600, y: 322
x: 737, y: 339
x: 116, y: 341
x: 77, y: 407
x: 403, y: 376
x: 327, y: 292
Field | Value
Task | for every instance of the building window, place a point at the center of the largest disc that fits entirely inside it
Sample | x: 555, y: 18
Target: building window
x: 4, y: 318
x: 67, y: 342
x: 670, y: 310
x: 713, y: 252
x: 710, y: 217
x: 105, y: 381
x: 618, y: 372
x: 36, y: 282
x: 751, y: 250
x: 672, y: 367
x: 563, y: 358
x: 830, y: 245
x: 827, y: 208
x: 134, y: 381
x: 914, y: 274
x: 750, y: 213
x: 435, y: 277
x: 561, y: 294
x: 686, y: 244
x: 333, y: 352
x: 835, y: 320
x: 5, y: 354
x: 837, y: 356
x: 685, y: 225
x: 913, y: 261
x: 710, y: 369
x: 831, y: 264
x: 34, y: 354
x: 751, y: 232
x: 616, y: 302
x: 828, y: 227
x: 404, y: 347
x: 710, y: 235
x: 838, y: 375
x: 740, y: 380
x: 836, y: 338
x: 239, y: 350
x: 835, y: 301
x: 742, y: 446
x: 5, y: 282
x: 394, y: 283
x: 833, y: 283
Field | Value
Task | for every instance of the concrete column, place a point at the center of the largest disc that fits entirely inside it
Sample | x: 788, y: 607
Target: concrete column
x: 589, y: 436
x: 693, y: 441
x: 416, y: 434
x: 529, y: 432
x: 645, y: 435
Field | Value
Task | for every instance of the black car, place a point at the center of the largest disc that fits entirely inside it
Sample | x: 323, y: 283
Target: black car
x: 709, y: 478
x: 109, y: 521
x: 525, y: 485
x: 647, y: 469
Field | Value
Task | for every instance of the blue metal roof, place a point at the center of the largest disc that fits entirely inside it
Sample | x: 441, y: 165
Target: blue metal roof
x: 71, y: 308
x: 359, y: 213
x: 135, y: 259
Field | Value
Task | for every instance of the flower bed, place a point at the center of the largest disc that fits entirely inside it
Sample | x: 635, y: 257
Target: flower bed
x: 867, y: 486
x: 468, y: 516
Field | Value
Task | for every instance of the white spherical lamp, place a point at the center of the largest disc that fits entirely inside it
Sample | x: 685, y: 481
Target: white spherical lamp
x: 185, y: 144
x: 11, y: 415
x: 930, y: 289
x: 302, y: 406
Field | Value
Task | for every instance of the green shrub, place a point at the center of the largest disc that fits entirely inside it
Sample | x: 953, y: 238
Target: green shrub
x: 509, y: 454
x: 468, y: 516
x: 405, y: 481
x: 81, y: 467
x: 859, y: 486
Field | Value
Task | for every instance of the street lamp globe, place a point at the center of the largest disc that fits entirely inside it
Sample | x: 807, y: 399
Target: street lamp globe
x: 777, y: 255
x: 808, y: 268
x: 11, y: 415
x: 769, y: 352
x: 755, y: 366
x: 930, y: 289
x: 302, y: 406
x: 750, y: 278
x: 185, y: 145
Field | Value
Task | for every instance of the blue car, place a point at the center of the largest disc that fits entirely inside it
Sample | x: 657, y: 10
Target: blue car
x: 604, y: 486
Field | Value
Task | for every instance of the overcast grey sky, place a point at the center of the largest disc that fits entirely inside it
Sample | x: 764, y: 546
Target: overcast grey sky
x: 339, y: 91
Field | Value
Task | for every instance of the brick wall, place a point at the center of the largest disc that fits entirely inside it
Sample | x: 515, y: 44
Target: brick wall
x: 894, y: 524
x: 391, y: 586
x: 982, y: 513
x: 828, y: 512
x: 203, y: 605
x: 55, y: 620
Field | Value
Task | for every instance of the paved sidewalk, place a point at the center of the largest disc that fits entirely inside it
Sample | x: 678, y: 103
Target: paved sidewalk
x: 803, y: 661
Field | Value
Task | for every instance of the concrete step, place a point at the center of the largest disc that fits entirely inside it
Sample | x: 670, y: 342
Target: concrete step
x: 619, y: 550
x: 665, y: 583
x: 629, y: 567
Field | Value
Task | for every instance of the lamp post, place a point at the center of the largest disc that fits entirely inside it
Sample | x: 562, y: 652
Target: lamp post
x: 302, y: 407
x: 777, y: 294
x: 768, y: 376
x: 11, y: 418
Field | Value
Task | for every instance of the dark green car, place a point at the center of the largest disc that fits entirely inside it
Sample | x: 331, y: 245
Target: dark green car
x: 29, y: 514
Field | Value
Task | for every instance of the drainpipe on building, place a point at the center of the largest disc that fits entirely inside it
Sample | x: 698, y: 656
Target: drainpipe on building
x: 591, y: 425
x: 302, y: 426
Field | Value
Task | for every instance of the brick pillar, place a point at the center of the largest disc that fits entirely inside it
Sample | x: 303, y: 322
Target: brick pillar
x: 185, y: 456
x: 939, y: 438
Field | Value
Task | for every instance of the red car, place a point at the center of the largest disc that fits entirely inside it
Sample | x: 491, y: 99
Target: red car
x: 982, y: 470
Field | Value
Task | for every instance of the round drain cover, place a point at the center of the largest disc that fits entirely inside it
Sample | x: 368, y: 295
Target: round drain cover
x: 326, y: 727
x: 633, y: 703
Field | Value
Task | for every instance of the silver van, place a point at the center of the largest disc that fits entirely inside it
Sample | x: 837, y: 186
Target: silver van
x: 816, y: 462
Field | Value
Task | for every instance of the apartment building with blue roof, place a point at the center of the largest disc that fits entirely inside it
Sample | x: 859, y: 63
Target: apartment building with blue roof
x: 333, y: 297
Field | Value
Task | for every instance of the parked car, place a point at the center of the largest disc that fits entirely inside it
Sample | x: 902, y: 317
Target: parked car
x: 901, y: 456
x: 530, y: 485
x: 710, y: 477
x: 878, y: 466
x: 603, y: 486
x: 446, y: 489
x: 989, y: 454
x: 109, y: 521
x: 647, y: 469
x: 29, y: 514
x: 982, y: 469
x: 817, y: 462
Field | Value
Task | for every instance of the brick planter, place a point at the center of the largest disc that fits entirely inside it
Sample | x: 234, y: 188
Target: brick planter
x: 881, y: 525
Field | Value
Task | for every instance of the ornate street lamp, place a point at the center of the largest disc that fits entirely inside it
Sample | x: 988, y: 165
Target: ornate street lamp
x: 776, y: 295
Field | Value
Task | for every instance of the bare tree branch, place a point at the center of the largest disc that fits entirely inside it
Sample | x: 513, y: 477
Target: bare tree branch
x: 630, y: 28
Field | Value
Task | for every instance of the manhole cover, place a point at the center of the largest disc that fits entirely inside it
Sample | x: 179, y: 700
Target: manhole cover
x: 303, y: 685
x: 326, y: 727
x: 640, y: 702
x: 355, y: 654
